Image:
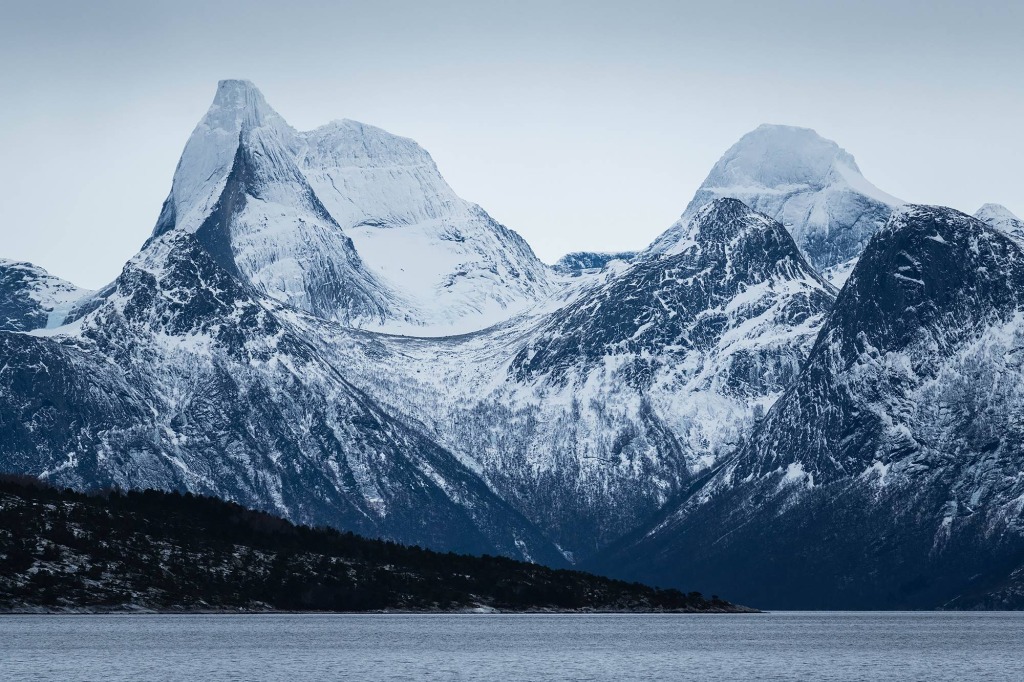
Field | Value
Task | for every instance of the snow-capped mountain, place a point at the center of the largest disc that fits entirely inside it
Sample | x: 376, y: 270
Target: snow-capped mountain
x: 709, y: 412
x: 283, y: 208
x: 666, y: 366
x: 734, y: 276
x: 588, y: 418
x: 1001, y: 218
x: 809, y: 184
x: 256, y: 214
x: 457, y: 267
x: 198, y: 369
x: 889, y: 474
x: 31, y: 298
x: 186, y: 378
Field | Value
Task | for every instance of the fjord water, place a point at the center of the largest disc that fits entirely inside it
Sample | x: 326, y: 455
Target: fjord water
x: 775, y: 646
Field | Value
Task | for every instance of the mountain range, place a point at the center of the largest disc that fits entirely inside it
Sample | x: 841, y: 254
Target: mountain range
x: 805, y: 393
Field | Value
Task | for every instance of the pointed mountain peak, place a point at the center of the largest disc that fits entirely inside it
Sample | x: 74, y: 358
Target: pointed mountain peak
x: 719, y: 222
x: 306, y: 217
x: 727, y: 211
x: 750, y: 242
x: 237, y: 104
x: 1001, y: 218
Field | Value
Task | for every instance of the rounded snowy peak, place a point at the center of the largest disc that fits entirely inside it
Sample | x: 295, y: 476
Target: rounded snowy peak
x: 779, y: 156
x: 1001, y: 218
x: 995, y: 211
x: 347, y: 143
x: 808, y: 183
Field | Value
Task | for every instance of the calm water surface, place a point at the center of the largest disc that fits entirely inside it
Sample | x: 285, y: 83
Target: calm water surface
x: 777, y: 646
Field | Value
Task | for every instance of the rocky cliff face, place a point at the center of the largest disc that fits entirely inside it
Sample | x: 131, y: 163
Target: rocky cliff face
x: 592, y: 415
x: 31, y: 298
x: 184, y: 378
x: 888, y: 475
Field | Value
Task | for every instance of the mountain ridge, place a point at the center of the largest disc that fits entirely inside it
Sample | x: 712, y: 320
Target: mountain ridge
x: 348, y: 222
x: 320, y: 328
x: 887, y: 474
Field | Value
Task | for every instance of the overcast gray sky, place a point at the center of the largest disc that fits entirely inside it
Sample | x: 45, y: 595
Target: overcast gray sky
x: 582, y: 125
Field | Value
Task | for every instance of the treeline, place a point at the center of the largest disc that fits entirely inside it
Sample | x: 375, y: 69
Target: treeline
x: 65, y: 550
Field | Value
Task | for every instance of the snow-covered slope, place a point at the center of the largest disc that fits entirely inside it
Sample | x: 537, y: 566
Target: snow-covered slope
x: 458, y: 267
x: 808, y: 183
x: 239, y: 190
x: 199, y: 367
x: 1000, y: 217
x: 889, y: 474
x: 733, y: 276
x: 591, y: 416
x: 185, y: 377
x: 284, y: 208
x: 32, y: 298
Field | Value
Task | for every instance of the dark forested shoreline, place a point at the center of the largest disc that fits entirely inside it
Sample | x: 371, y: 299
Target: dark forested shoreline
x: 66, y: 551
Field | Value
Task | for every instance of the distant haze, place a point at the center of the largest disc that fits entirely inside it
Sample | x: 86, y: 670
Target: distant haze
x: 582, y: 125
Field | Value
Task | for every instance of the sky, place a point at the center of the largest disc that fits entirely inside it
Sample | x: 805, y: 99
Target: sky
x: 581, y: 125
